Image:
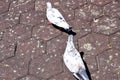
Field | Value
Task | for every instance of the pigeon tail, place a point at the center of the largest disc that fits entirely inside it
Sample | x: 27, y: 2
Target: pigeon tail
x: 70, y: 32
x: 83, y: 75
x: 49, y: 5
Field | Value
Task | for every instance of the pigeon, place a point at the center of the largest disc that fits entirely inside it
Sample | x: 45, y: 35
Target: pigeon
x: 56, y: 18
x: 73, y: 61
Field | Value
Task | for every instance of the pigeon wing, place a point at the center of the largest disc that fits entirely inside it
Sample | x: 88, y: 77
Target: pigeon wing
x: 55, y: 17
x: 72, y: 57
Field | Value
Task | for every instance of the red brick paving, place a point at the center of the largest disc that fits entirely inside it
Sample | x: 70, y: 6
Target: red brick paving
x: 32, y: 50
x: 39, y: 32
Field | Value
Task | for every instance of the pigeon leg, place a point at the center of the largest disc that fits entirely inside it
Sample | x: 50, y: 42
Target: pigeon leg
x: 49, y: 23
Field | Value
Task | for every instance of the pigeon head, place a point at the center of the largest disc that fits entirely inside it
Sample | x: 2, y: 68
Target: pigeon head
x: 49, y: 5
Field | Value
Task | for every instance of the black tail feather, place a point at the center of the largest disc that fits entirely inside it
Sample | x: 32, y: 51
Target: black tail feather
x: 68, y: 31
x: 87, y: 69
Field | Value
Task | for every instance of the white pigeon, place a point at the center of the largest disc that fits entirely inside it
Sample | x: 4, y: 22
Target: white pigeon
x: 73, y: 60
x: 56, y: 18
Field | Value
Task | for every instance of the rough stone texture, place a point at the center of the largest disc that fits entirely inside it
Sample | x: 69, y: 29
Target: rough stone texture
x: 100, y: 2
x: 106, y: 25
x: 115, y: 40
x: 91, y: 62
x: 112, y: 9
x: 81, y: 27
x: 13, y: 68
x: 109, y: 64
x: 29, y: 77
x: 88, y: 12
x: 93, y: 44
x: 45, y: 32
x: 43, y: 66
x: 30, y: 49
x: 21, y: 6
x: 6, y: 50
x: 1, y: 35
x: 33, y: 18
x: 3, y: 6
x: 40, y: 5
x: 8, y: 19
x: 63, y: 76
x: 18, y: 33
x: 57, y: 45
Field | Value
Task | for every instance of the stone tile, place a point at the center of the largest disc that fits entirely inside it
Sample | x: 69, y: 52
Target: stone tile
x: 3, y: 6
x: 104, y: 75
x: 115, y: 40
x: 63, y: 76
x: 88, y: 12
x: 100, y: 2
x: 45, y: 32
x: 13, y: 68
x: 32, y: 18
x: 9, y: 1
x: 39, y: 49
x: 40, y: 5
x: 109, y: 64
x: 18, y: 33
x: 112, y: 9
x: 20, y: 29
x: 8, y: 19
x: 32, y: 48
x: 106, y: 25
x: 4, y: 26
x: 81, y: 28
x: 1, y: 35
x: 70, y: 4
x: 6, y: 50
x: 93, y: 44
x: 43, y: 66
x: 29, y: 77
x: 73, y: 4
x: 21, y: 6
x: 91, y: 62
x: 57, y: 45
x: 96, y: 75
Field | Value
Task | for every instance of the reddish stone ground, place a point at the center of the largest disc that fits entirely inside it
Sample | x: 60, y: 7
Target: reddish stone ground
x: 32, y: 50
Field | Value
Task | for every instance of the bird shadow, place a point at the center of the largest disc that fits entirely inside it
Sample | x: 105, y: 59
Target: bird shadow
x: 63, y: 30
x: 87, y: 69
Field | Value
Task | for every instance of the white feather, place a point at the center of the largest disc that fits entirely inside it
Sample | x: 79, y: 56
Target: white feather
x: 55, y: 17
x: 72, y: 57
x: 73, y: 60
x: 49, y: 5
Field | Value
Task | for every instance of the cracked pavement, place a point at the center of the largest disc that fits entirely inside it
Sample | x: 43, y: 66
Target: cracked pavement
x: 30, y: 49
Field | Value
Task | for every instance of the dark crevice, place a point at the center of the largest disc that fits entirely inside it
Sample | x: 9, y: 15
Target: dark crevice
x: 15, y: 49
x: 14, y: 54
x: 28, y: 69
